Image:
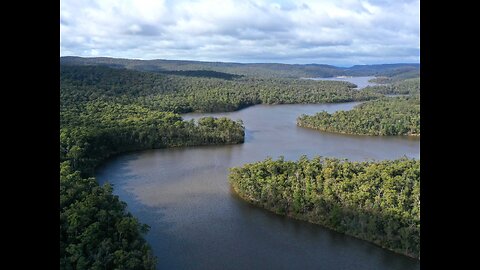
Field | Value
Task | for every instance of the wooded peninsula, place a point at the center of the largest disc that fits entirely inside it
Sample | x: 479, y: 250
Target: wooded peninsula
x: 385, y: 117
x: 112, y: 106
x: 375, y: 201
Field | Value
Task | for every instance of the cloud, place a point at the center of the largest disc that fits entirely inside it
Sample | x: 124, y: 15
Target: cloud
x: 329, y: 32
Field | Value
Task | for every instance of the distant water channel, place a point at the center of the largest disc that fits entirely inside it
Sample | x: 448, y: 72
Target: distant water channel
x: 198, y: 223
x: 361, y: 82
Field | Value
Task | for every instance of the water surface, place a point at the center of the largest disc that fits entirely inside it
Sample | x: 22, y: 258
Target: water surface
x: 198, y: 223
x: 361, y: 81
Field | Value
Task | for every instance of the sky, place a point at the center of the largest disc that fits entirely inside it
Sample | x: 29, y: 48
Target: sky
x: 335, y: 32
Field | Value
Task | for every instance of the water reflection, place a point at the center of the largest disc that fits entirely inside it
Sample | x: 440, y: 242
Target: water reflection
x: 197, y: 223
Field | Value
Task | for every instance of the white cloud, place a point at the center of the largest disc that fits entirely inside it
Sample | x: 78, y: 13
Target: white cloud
x: 329, y: 31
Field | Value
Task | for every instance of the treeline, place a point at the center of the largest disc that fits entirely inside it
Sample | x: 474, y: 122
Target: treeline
x: 180, y: 94
x: 201, y: 73
x: 110, y: 110
x: 381, y: 80
x: 101, y: 129
x: 96, y: 232
x: 264, y: 70
x: 386, y: 116
x: 402, y: 87
x: 393, y: 71
x: 375, y: 201
x: 213, y: 95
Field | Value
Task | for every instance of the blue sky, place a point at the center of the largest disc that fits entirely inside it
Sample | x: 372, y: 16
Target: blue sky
x: 335, y: 32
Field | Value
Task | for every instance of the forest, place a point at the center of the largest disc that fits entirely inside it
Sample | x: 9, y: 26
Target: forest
x: 378, y: 201
x: 382, y: 117
x: 96, y: 232
x: 395, y: 87
x: 108, y: 109
x: 92, y: 219
x: 259, y: 70
x: 100, y: 129
x: 182, y: 94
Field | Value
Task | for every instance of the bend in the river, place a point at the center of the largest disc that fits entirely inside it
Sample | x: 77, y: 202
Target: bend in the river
x: 198, y: 223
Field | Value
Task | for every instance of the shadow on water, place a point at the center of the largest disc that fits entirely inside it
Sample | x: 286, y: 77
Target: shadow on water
x: 197, y: 223
x: 339, y: 135
x: 120, y: 175
x: 311, y: 245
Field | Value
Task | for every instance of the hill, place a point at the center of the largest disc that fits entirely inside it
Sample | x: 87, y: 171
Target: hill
x: 403, y: 70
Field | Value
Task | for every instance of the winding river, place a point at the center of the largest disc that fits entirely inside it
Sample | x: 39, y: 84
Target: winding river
x: 198, y: 223
x: 361, y: 81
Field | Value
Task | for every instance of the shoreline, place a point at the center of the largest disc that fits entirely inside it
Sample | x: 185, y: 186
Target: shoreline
x: 253, y: 202
x: 359, y: 134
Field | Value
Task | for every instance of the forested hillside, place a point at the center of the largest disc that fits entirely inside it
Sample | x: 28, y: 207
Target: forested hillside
x: 100, y: 117
x: 181, y: 94
x: 96, y: 231
x: 375, y: 201
x: 110, y: 106
x: 386, y: 116
x: 101, y: 129
x: 252, y: 69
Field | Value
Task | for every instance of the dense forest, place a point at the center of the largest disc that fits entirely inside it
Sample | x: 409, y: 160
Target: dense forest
x: 99, y: 118
x: 375, y: 201
x: 100, y: 129
x: 400, y: 87
x: 96, y: 232
x: 121, y: 105
x: 181, y: 94
x: 264, y: 70
x: 106, y: 111
x: 386, y: 116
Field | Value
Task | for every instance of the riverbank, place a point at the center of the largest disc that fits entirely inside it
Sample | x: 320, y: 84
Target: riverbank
x: 355, y: 134
x: 341, y: 196
x: 182, y: 193
x: 305, y: 219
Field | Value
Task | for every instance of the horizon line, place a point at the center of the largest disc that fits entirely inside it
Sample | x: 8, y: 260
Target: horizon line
x: 231, y: 62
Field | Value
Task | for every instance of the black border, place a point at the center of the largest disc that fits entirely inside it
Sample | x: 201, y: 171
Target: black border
x: 34, y: 103
x: 34, y: 136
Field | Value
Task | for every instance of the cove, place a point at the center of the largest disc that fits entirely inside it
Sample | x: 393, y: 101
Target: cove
x: 198, y: 223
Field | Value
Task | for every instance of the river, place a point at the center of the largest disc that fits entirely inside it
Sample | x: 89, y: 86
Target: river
x: 198, y: 223
x: 361, y: 81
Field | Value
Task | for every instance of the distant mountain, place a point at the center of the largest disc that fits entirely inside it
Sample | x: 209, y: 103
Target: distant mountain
x: 400, y: 71
x: 228, y: 69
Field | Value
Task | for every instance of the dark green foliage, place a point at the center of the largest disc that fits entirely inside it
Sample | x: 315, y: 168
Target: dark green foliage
x: 102, y: 129
x: 201, y: 73
x: 393, y: 71
x: 402, y: 87
x: 255, y: 70
x: 100, y: 117
x: 82, y: 84
x: 96, y: 232
x: 374, y: 201
x: 401, y: 71
x: 91, y: 237
x: 386, y: 116
x: 108, y: 109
